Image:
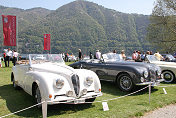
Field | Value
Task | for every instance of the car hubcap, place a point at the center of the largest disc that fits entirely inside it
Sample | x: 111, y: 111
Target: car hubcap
x: 168, y: 76
x: 125, y: 82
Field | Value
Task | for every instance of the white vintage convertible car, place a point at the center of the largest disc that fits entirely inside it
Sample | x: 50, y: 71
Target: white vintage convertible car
x: 168, y: 68
x: 51, y: 80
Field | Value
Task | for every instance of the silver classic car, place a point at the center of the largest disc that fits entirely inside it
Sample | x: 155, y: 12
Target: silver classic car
x: 125, y: 73
x: 168, y: 68
x: 46, y: 77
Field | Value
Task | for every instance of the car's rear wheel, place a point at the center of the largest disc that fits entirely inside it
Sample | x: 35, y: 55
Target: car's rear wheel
x: 15, y: 86
x: 168, y: 76
x: 38, y: 96
x: 125, y: 83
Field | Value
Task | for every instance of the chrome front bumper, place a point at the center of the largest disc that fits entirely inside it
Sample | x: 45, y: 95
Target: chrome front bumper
x: 155, y: 83
x: 72, y: 100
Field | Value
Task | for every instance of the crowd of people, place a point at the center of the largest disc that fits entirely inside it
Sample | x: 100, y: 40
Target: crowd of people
x: 137, y: 56
x: 97, y: 55
x: 10, y: 55
x: 91, y: 56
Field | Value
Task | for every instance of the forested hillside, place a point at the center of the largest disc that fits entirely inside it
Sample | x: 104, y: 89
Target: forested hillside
x: 79, y: 24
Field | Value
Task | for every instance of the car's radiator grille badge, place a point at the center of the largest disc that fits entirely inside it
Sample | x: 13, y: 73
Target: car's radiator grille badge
x: 76, y: 84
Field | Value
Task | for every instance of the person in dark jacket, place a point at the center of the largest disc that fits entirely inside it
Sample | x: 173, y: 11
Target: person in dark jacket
x: 90, y: 55
x: 80, y: 54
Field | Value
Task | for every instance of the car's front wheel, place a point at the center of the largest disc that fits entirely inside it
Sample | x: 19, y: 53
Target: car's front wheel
x: 38, y: 96
x: 168, y: 76
x: 125, y: 83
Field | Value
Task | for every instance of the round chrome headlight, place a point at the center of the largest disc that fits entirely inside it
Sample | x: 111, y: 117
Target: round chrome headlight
x: 69, y: 93
x: 59, y: 83
x: 146, y: 74
x: 84, y: 91
x: 89, y: 80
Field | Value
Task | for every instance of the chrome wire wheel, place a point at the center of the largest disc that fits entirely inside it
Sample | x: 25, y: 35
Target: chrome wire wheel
x: 125, y: 82
x: 38, y: 96
x: 168, y: 76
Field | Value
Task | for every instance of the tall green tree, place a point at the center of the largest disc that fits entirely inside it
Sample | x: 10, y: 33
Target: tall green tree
x: 162, y: 29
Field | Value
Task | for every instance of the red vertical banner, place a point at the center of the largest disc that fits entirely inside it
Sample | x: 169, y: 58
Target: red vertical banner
x: 47, y: 41
x: 9, y: 30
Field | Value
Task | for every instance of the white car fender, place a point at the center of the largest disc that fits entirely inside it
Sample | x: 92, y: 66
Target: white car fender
x: 45, y: 82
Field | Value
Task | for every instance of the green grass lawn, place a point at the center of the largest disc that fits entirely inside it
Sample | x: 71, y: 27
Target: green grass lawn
x: 135, y: 105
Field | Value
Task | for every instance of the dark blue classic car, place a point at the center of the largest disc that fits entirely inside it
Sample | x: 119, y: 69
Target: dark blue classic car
x: 125, y: 74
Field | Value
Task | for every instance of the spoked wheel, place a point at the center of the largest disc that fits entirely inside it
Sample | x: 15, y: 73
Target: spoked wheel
x: 168, y: 76
x: 125, y: 83
x: 38, y: 97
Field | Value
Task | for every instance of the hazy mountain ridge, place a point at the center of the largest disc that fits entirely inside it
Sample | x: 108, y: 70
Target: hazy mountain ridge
x: 84, y: 25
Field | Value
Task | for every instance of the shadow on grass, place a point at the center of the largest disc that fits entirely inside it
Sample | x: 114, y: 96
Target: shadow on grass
x: 112, y: 88
x: 18, y: 99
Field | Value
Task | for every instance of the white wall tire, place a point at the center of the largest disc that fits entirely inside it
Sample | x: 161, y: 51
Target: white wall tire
x: 168, y: 76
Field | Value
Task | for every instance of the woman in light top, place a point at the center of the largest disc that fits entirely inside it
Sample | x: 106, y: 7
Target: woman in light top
x: 123, y: 55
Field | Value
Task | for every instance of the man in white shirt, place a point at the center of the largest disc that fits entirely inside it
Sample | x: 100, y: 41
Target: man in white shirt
x: 15, y: 55
x: 98, y: 54
x: 8, y: 55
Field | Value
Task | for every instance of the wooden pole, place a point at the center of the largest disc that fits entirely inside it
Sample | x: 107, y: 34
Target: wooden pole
x: 44, y: 109
x: 149, y: 92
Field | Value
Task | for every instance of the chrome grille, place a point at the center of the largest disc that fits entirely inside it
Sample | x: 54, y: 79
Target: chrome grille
x: 76, y: 84
x: 152, y: 75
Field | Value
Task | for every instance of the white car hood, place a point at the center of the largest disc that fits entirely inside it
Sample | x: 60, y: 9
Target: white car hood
x: 53, y: 67
x: 162, y: 63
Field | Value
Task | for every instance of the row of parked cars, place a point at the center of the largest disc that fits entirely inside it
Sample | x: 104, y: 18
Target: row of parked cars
x: 47, y: 77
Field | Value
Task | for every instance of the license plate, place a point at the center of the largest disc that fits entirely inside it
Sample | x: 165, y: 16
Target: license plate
x: 79, y: 101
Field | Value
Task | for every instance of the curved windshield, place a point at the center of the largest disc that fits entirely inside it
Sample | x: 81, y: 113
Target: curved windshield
x: 111, y: 57
x: 43, y: 58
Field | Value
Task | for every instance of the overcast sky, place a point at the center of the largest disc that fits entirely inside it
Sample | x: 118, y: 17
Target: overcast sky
x: 126, y: 6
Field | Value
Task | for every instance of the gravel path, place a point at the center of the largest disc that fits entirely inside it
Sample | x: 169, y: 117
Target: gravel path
x: 165, y: 112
